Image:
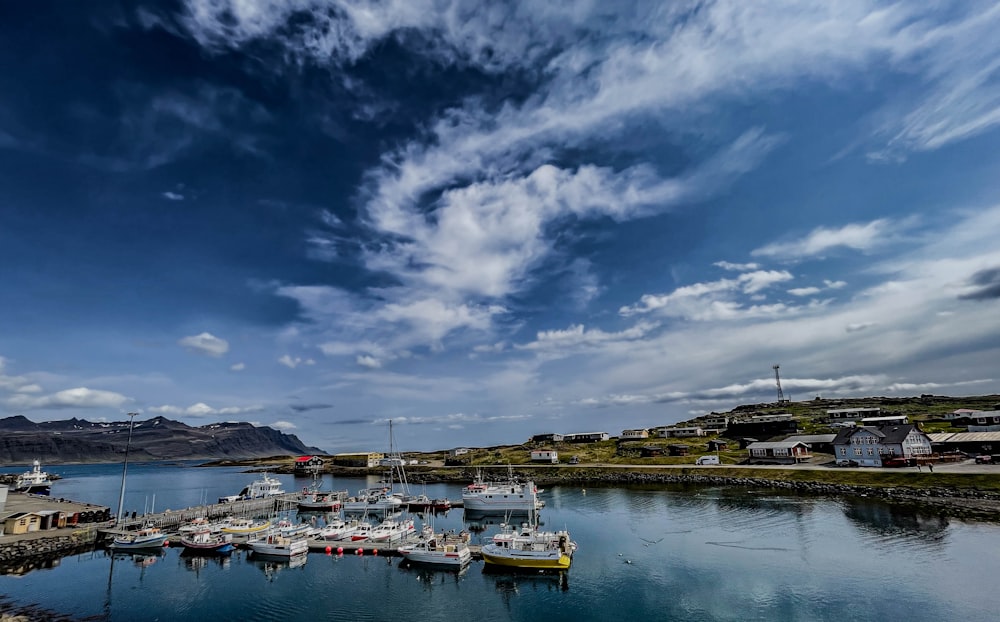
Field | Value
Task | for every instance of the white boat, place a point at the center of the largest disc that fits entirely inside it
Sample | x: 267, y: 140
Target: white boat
x: 339, y: 530
x: 146, y: 538
x: 376, y: 500
x: 204, y: 541
x: 266, y: 486
x: 391, y: 529
x: 501, y: 496
x: 363, y: 530
x: 529, y: 548
x: 273, y: 543
x: 290, y: 530
x: 36, y: 481
x: 438, y: 550
x: 245, y: 526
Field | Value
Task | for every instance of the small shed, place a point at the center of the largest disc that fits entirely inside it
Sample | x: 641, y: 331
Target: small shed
x: 21, y: 522
x: 717, y: 445
x: 678, y: 450
x: 650, y: 451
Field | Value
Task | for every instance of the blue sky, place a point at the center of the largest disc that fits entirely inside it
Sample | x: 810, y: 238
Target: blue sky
x: 486, y: 220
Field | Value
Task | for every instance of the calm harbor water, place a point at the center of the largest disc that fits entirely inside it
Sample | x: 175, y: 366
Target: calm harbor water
x: 660, y: 553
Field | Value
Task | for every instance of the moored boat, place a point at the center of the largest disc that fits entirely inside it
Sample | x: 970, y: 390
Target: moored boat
x: 148, y: 537
x: 205, y: 541
x: 266, y: 486
x: 391, y: 529
x: 245, y: 525
x: 338, y: 529
x: 529, y: 548
x: 372, y: 500
x: 501, y: 496
x: 438, y: 551
x: 273, y: 543
x: 35, y: 482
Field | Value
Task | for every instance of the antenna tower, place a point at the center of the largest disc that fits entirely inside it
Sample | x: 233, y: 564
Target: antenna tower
x: 777, y: 380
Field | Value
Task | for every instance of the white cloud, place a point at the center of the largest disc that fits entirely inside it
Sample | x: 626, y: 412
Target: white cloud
x: 80, y: 397
x: 172, y: 196
x: 202, y: 409
x: 238, y: 366
x: 711, y: 299
x: 857, y: 326
x: 205, y: 343
x: 861, y: 237
x: 370, y: 362
x: 736, y: 267
x: 804, y: 291
x: 293, y: 362
x: 283, y: 425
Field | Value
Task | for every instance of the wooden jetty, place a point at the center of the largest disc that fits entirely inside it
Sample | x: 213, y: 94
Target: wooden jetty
x: 172, y: 519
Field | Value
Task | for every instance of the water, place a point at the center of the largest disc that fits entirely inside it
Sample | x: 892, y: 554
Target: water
x: 659, y: 553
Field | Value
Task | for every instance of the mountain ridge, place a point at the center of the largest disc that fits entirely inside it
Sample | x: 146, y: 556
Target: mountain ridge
x: 159, y: 438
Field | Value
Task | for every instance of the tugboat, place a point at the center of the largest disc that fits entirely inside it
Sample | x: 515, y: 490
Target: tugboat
x: 35, y: 482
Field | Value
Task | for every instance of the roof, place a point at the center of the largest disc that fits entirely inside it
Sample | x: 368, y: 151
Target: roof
x: 887, y: 433
x: 774, y: 444
x: 965, y: 437
x: 812, y: 438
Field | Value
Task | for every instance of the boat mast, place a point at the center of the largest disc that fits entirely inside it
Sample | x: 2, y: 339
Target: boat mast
x: 128, y: 445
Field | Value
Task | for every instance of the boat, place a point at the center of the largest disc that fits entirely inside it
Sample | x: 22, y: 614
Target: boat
x: 319, y: 501
x: 290, y: 530
x: 245, y: 526
x: 273, y: 543
x: 35, y: 482
x: 372, y: 499
x: 204, y: 541
x: 501, y: 496
x: 266, y: 486
x: 338, y: 529
x: 362, y: 531
x: 529, y: 548
x: 148, y: 537
x: 441, y: 505
x: 391, y: 529
x: 438, y: 550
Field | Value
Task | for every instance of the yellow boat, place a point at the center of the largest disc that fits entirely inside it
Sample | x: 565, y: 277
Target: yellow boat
x: 246, y: 525
x: 530, y: 548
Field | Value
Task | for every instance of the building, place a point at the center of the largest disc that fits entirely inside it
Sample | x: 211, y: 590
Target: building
x: 631, y: 434
x: 369, y: 460
x: 679, y: 432
x: 822, y: 443
x: 984, y: 421
x: 762, y: 429
x: 545, y: 455
x: 21, y: 522
x: 772, y: 418
x: 678, y: 450
x: 869, y: 446
x: 716, y: 422
x: 717, y: 445
x: 852, y: 414
x: 308, y: 464
x: 458, y: 451
x: 778, y: 452
x: 969, y: 442
x: 586, y: 437
x: 887, y: 420
x: 551, y: 437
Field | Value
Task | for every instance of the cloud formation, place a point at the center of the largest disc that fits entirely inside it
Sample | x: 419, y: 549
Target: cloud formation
x: 205, y: 343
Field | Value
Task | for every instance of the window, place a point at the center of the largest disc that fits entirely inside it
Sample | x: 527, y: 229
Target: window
x: 843, y: 451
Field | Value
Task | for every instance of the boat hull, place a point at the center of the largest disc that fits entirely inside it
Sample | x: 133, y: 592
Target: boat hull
x: 555, y: 561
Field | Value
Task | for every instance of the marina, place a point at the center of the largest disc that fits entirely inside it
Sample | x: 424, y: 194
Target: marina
x: 676, y: 552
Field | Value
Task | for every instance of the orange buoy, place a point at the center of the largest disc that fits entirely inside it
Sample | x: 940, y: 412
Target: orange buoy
x: 359, y: 552
x: 374, y: 551
x: 329, y: 550
x: 340, y: 550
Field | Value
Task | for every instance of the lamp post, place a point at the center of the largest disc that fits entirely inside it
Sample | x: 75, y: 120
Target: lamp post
x: 128, y: 445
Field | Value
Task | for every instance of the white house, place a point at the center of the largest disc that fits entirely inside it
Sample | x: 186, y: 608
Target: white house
x: 544, y: 455
x: 458, y: 451
x: 679, y: 432
x: 716, y: 422
x: 635, y: 433
x: 868, y: 446
x: 785, y: 452
x: 771, y: 418
x: 852, y: 414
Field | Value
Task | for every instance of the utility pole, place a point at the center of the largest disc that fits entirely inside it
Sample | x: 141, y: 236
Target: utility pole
x: 777, y: 380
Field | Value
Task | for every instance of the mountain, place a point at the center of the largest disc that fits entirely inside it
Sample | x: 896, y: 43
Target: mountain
x: 159, y: 438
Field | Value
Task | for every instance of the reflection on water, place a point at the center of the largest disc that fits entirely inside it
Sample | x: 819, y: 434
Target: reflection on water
x: 891, y: 522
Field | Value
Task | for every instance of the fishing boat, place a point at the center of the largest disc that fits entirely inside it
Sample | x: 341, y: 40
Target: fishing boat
x: 149, y: 537
x: 441, y: 505
x: 338, y: 529
x: 372, y: 499
x: 391, y: 529
x: 529, y: 548
x: 273, y: 543
x: 291, y: 530
x: 204, y: 541
x: 266, y: 486
x: 319, y: 501
x: 245, y: 526
x: 501, y: 496
x: 438, y: 550
x: 35, y: 482
x: 362, y: 532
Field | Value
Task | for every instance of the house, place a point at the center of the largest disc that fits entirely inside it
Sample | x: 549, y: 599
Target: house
x: 630, y: 434
x: 586, y: 437
x: 650, y: 451
x: 545, y: 455
x: 761, y: 428
x: 369, y: 460
x: 458, y: 451
x: 772, y: 418
x: 822, y: 443
x: 968, y: 442
x: 778, y: 452
x: 961, y: 413
x: 852, y: 414
x: 716, y: 422
x: 551, y: 437
x: 307, y: 464
x: 717, y: 445
x: 890, y: 419
x: 678, y: 450
x: 984, y: 421
x: 679, y: 432
x: 868, y: 445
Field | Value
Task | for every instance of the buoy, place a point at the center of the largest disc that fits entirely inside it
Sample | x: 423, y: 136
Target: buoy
x: 374, y: 551
x: 359, y: 552
x: 329, y: 549
x: 340, y: 550
x: 166, y: 544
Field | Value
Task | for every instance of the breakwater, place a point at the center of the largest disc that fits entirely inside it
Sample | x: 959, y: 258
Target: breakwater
x: 19, y: 556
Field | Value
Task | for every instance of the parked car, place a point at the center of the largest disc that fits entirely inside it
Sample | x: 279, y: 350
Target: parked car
x: 984, y: 459
x: 707, y: 460
x: 847, y: 463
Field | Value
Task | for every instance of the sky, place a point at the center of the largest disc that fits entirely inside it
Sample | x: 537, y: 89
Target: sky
x: 488, y: 220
